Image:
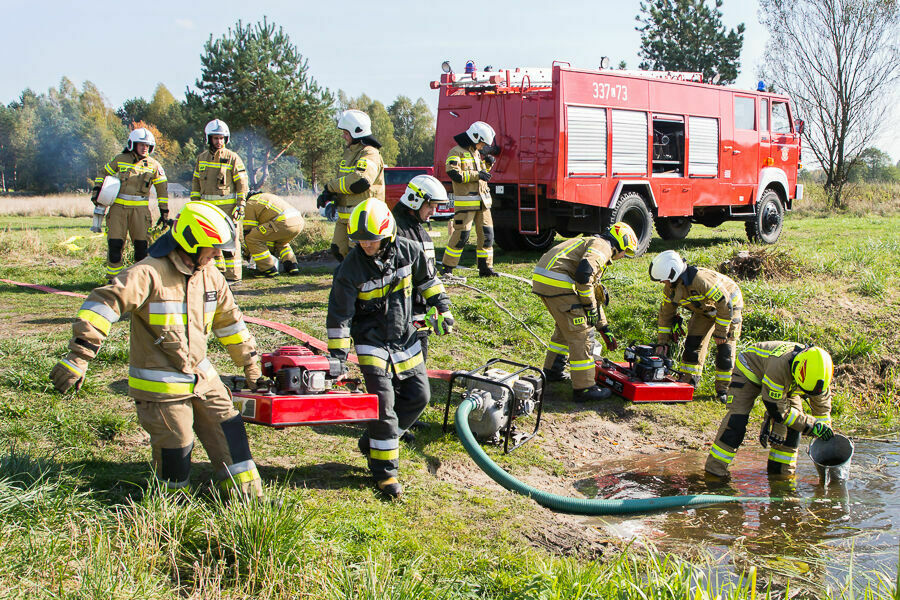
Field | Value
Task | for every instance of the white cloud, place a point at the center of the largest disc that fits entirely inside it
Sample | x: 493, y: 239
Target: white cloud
x: 184, y: 23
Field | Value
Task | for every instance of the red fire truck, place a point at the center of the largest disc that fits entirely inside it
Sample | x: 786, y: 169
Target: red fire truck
x: 580, y: 149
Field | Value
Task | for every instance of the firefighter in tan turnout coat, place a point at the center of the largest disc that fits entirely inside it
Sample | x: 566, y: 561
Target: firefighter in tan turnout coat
x: 270, y: 224
x: 469, y: 174
x: 567, y: 279
x: 716, y: 303
x: 220, y: 179
x: 176, y: 299
x: 129, y: 214
x: 360, y: 176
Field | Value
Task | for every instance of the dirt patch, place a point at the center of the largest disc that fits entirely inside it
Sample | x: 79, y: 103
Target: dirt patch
x: 766, y: 263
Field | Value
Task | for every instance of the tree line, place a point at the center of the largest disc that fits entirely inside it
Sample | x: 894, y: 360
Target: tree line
x: 282, y: 121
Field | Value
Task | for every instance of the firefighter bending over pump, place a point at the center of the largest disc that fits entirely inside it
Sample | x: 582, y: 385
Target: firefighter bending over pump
x: 469, y: 173
x: 371, y: 300
x: 220, y: 179
x: 780, y: 373
x: 270, y: 225
x: 716, y: 302
x: 567, y: 278
x: 129, y: 214
x: 176, y: 298
x: 360, y: 176
x: 422, y: 196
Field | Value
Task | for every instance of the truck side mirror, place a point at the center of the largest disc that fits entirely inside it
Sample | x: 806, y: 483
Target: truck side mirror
x: 799, y: 126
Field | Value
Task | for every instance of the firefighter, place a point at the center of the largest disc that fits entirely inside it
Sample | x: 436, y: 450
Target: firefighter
x: 130, y: 213
x: 780, y: 373
x: 220, y: 179
x: 270, y: 223
x: 371, y: 300
x: 360, y: 176
x: 469, y: 174
x: 716, y: 302
x: 176, y: 298
x: 422, y: 196
x: 567, y: 278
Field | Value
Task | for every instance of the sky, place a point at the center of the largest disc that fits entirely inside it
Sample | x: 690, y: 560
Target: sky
x: 380, y: 49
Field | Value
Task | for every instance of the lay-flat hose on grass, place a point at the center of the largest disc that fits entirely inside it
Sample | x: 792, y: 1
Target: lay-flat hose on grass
x: 575, y: 506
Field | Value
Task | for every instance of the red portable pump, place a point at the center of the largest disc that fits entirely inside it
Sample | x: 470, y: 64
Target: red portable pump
x: 304, y: 389
x: 644, y: 377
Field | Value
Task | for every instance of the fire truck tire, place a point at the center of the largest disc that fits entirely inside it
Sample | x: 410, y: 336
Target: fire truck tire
x: 673, y: 228
x: 765, y: 227
x: 511, y: 240
x: 633, y: 210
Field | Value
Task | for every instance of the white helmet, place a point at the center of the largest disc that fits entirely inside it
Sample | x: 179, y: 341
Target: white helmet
x: 421, y: 189
x: 217, y: 127
x: 667, y: 266
x: 479, y: 131
x: 356, y: 122
x: 140, y: 136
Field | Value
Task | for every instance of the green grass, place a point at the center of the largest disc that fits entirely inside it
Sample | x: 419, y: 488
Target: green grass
x: 79, y: 518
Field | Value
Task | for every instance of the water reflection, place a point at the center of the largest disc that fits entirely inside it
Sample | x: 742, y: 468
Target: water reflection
x: 807, y: 536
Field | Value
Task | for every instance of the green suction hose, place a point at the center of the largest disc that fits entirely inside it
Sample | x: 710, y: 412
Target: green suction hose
x: 576, y: 506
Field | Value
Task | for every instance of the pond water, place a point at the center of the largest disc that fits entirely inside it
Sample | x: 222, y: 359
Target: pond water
x: 810, y: 536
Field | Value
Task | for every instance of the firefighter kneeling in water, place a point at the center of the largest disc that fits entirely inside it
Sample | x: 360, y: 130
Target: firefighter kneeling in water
x: 565, y: 278
x: 372, y: 300
x: 271, y: 223
x: 716, y: 302
x: 779, y: 372
x: 176, y: 297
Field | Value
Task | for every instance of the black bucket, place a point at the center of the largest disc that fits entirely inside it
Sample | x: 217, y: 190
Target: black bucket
x: 832, y: 458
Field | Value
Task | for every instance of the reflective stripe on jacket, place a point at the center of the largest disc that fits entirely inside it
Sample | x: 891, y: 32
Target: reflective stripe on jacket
x: 137, y: 175
x: 173, y: 311
x: 705, y: 292
x: 261, y: 209
x: 409, y: 226
x: 359, y: 163
x: 471, y: 193
x: 221, y: 177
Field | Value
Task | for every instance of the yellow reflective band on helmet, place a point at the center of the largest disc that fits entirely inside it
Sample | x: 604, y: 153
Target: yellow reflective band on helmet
x: 338, y: 343
x: 786, y: 458
x: 372, y: 361
x: 721, y: 454
x: 411, y: 363
x: 385, y: 455
x: 581, y: 365
x: 101, y: 323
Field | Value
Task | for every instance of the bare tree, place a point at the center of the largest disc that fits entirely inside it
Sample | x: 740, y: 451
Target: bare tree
x: 839, y: 60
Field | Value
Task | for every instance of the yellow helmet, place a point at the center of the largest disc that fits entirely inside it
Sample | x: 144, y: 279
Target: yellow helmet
x: 371, y: 220
x: 812, y: 370
x: 625, y: 238
x: 202, y: 225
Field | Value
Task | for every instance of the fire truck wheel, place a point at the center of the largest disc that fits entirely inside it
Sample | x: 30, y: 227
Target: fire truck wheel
x: 673, y: 228
x: 632, y: 209
x: 765, y: 227
x: 511, y: 240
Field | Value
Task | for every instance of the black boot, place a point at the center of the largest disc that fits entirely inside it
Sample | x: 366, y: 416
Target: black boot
x: 291, y: 268
x: 390, y: 487
x: 484, y: 270
x: 445, y: 270
x: 595, y: 392
x: 553, y: 375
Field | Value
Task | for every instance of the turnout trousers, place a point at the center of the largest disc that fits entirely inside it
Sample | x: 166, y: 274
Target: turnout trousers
x: 400, y: 403
x: 214, y: 420
x: 462, y: 229
x: 121, y: 222
x: 572, y: 338
x: 742, y: 393
x: 265, y: 241
x: 340, y: 240
x: 231, y: 263
x: 696, y: 345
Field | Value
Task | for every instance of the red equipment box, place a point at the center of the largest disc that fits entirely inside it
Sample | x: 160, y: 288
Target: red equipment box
x: 280, y: 411
x: 614, y: 376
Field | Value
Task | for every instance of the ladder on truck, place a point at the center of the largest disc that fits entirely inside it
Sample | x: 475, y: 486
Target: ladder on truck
x: 530, y: 154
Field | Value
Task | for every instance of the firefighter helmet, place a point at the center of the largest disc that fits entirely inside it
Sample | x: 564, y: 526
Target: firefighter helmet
x: 667, y: 266
x: 140, y: 135
x: 421, y: 189
x: 202, y: 225
x: 812, y: 370
x: 479, y: 131
x: 356, y: 123
x: 371, y: 220
x: 217, y: 127
x: 625, y: 238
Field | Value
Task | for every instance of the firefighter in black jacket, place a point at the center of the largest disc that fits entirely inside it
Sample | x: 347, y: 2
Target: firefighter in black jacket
x: 371, y: 301
x: 422, y: 196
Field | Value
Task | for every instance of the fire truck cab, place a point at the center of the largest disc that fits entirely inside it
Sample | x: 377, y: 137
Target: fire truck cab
x: 581, y: 149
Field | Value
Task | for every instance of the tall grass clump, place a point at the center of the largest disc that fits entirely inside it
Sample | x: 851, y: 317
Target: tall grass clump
x: 315, y: 237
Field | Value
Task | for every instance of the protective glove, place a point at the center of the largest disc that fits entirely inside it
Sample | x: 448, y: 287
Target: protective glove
x: 592, y: 315
x: 163, y: 218
x: 441, y: 322
x: 764, y: 431
x: 323, y: 199
x: 95, y: 191
x: 490, y: 159
x: 237, y: 213
x: 822, y: 431
x: 64, y: 377
x: 484, y: 176
x: 609, y: 340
